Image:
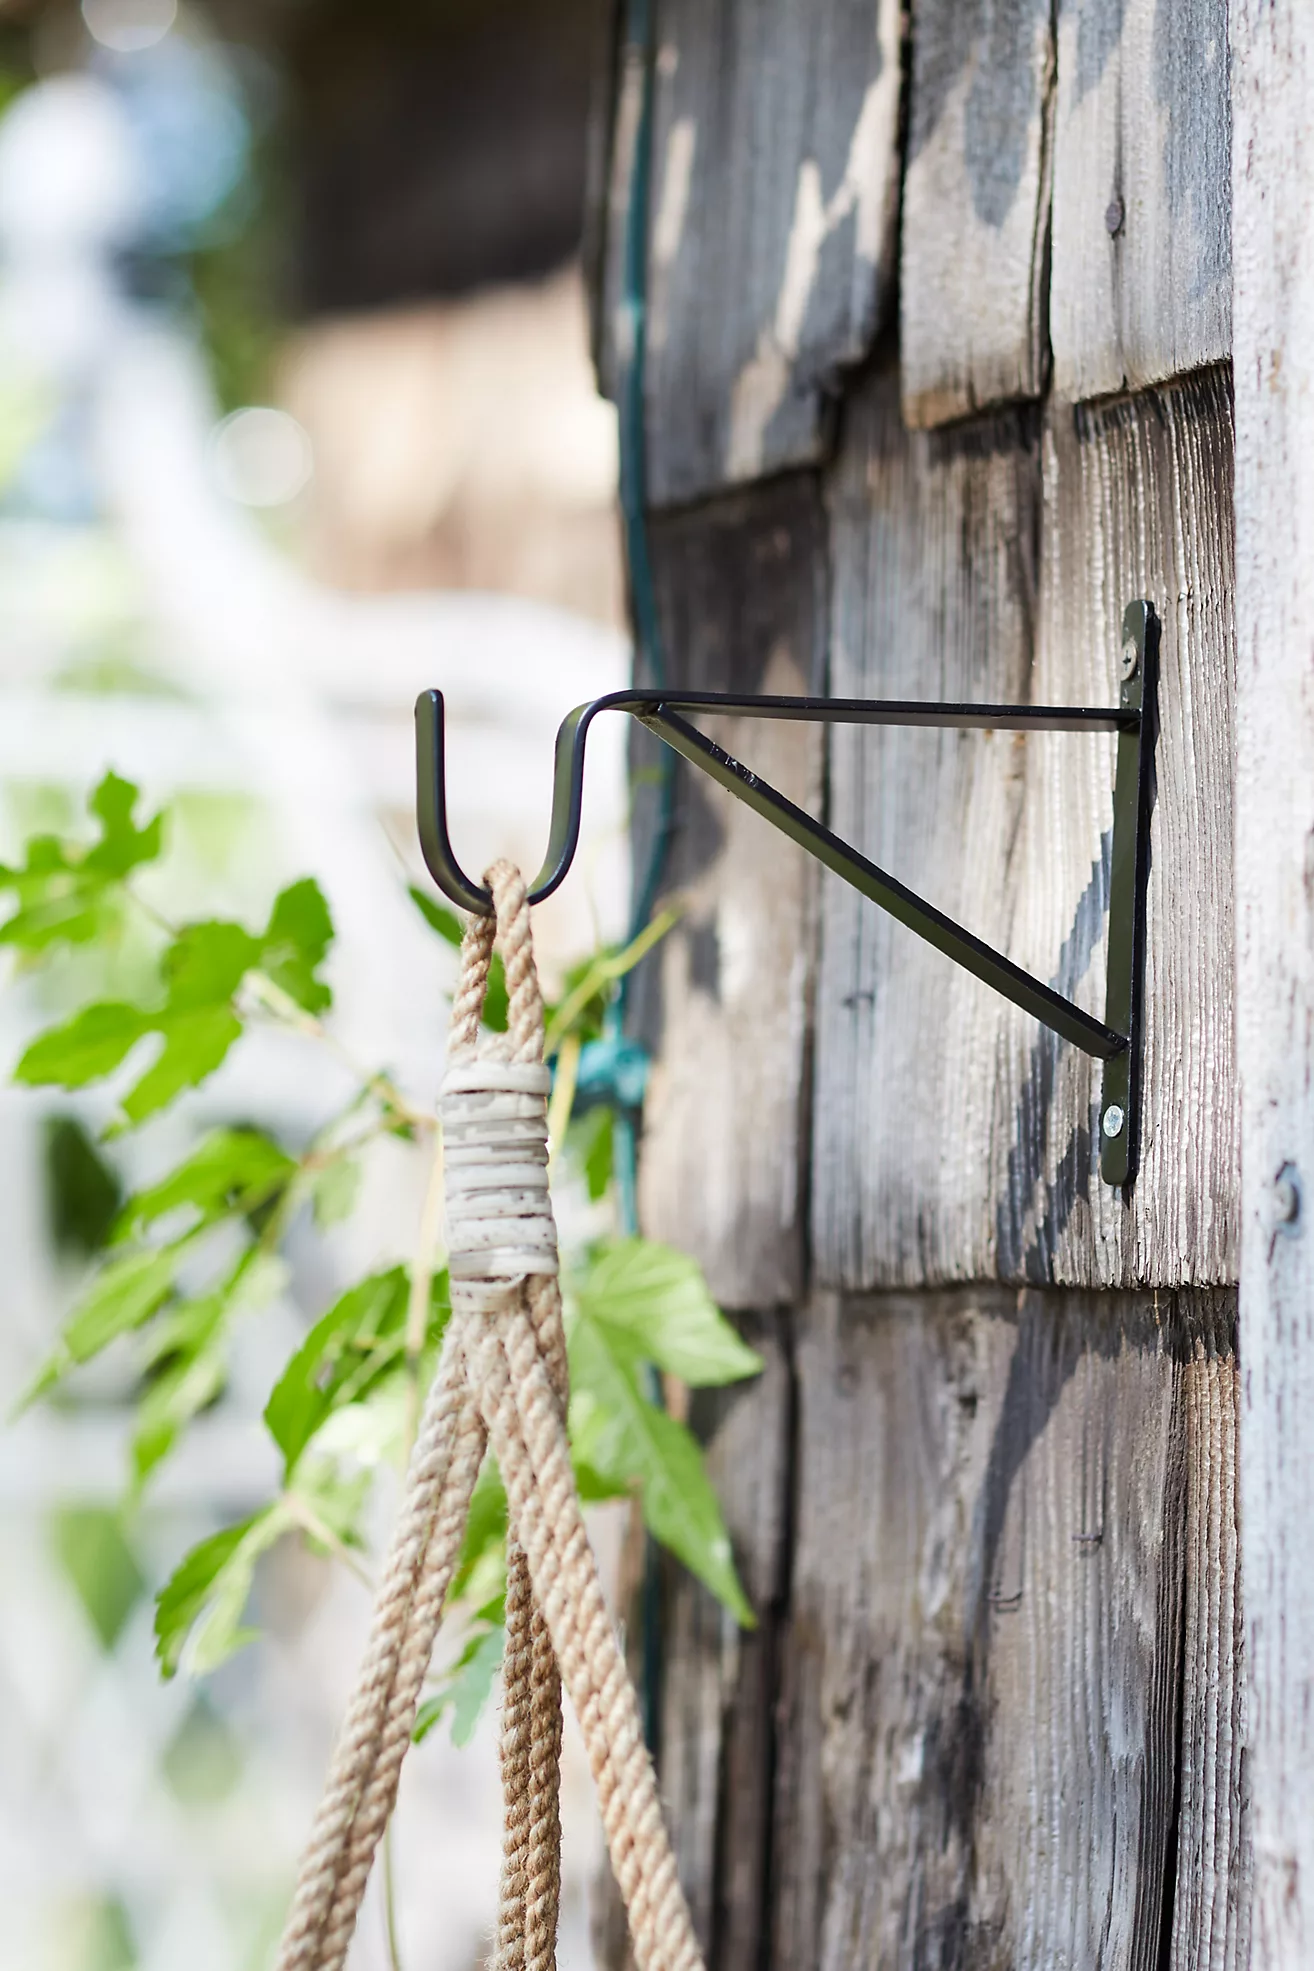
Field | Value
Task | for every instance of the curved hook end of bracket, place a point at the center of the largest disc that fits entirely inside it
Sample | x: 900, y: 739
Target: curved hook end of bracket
x: 431, y: 809
x: 567, y: 800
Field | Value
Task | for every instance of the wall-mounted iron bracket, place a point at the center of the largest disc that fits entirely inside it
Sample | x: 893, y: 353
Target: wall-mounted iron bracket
x: 1115, y: 1040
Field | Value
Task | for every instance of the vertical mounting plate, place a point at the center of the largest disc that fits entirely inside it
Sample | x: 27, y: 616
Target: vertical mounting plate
x: 1132, y: 787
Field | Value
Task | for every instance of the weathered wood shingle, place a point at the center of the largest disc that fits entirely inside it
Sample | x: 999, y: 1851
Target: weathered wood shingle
x: 975, y: 235
x: 774, y: 193
x: 1142, y: 281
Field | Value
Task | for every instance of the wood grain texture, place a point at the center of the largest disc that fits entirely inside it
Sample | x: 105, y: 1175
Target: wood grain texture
x: 1273, y: 234
x: 724, y: 1005
x: 717, y: 1750
x: 775, y: 175
x: 975, y: 237
x: 1142, y: 276
x: 979, y: 1738
x: 954, y: 1137
x: 1212, y: 1890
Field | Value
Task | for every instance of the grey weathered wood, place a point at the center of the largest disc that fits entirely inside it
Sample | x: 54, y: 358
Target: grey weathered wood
x: 1141, y: 286
x: 1273, y: 234
x: 975, y: 239
x: 717, y: 1749
x: 979, y: 1747
x: 724, y: 1003
x: 1211, y: 1898
x: 775, y: 176
x: 994, y: 560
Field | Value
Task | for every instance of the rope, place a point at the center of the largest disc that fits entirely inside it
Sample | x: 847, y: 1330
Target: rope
x: 501, y: 1385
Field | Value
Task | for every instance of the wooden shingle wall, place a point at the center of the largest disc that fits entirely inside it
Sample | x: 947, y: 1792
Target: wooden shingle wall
x: 985, y: 1496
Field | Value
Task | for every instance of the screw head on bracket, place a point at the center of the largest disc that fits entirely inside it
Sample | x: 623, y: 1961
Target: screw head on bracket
x: 1286, y: 1199
x: 1131, y: 657
x: 1114, y: 1121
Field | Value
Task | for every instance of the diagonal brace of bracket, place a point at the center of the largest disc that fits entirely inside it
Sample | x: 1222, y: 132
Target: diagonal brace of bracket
x: 1115, y: 1040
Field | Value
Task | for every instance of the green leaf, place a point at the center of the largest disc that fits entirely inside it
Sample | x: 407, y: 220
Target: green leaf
x: 70, y: 895
x: 93, y: 1547
x: 370, y: 1397
x: 295, y: 943
x: 46, y: 855
x: 591, y: 1139
x: 71, y: 914
x: 472, y: 1689
x: 192, y: 1379
x: 659, y: 1298
x: 485, y: 1531
x: 83, y: 1191
x: 593, y: 1488
x: 187, y: 1351
x: 426, y: 1718
x: 343, y: 1354
x: 205, y: 965
x: 496, y: 1002
x: 467, y: 1688
x: 233, y: 1170
x: 620, y: 1436
x: 334, y: 1190
x: 189, y: 1587
x: 207, y: 1594
x: 202, y: 968
x: 122, y: 846
x: 334, y: 1497
x: 437, y: 916
x: 369, y: 1429
x: 123, y: 1295
x: 92, y: 1044
x: 195, y: 1044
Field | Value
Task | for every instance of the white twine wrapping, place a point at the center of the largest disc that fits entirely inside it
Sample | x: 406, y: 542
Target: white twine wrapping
x: 499, y: 1218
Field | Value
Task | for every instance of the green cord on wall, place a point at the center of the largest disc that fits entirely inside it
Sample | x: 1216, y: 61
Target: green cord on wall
x: 649, y: 668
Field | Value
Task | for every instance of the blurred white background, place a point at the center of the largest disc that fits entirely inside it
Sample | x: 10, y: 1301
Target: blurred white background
x: 234, y: 603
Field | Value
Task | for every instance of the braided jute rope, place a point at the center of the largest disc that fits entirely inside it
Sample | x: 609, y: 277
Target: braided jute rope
x: 501, y: 1386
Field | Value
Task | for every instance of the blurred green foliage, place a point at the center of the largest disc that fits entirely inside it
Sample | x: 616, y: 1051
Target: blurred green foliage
x: 180, y: 1263
x: 83, y: 1191
x: 94, y: 1552
x: 203, y: 1760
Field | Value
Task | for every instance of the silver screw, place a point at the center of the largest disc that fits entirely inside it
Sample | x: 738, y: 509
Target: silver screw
x: 1113, y: 1120
x: 1131, y: 657
x: 1286, y: 1197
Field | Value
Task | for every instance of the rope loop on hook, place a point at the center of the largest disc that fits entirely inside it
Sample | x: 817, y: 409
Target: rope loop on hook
x: 501, y: 1385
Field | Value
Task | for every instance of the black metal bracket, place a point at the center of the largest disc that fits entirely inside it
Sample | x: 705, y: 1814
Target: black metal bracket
x: 1115, y: 1040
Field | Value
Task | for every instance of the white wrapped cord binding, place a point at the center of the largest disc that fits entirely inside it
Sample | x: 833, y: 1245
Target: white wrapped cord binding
x: 499, y: 1217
